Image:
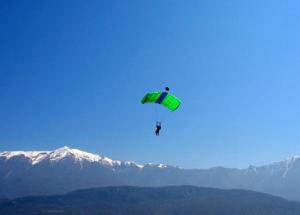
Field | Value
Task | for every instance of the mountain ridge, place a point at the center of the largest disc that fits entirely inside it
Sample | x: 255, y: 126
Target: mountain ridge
x: 64, y: 169
x: 62, y: 152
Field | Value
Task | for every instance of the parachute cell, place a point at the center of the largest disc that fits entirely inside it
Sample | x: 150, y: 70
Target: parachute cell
x: 166, y: 99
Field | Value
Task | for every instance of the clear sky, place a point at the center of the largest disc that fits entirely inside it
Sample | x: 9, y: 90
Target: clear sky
x: 73, y: 73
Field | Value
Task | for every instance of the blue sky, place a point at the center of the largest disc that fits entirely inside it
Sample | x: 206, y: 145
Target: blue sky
x: 73, y: 73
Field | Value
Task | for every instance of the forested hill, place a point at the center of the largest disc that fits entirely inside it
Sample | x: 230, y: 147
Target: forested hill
x: 177, y: 200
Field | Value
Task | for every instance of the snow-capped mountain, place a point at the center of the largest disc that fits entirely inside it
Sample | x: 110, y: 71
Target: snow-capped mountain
x: 78, y: 156
x: 64, y: 169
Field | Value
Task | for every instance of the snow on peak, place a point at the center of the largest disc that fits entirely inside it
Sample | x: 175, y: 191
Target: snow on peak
x: 289, y: 163
x: 65, y: 151
x: 276, y: 168
x: 34, y: 156
x: 161, y: 166
x: 78, y: 155
x: 59, y: 154
x: 294, y: 158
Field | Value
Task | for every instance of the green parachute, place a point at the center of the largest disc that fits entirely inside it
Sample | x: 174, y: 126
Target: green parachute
x: 163, y: 98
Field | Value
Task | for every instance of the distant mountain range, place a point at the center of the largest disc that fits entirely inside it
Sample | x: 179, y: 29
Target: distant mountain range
x: 177, y: 200
x: 65, y: 169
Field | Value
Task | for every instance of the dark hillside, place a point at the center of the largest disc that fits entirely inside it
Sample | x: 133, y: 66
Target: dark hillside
x: 159, y: 201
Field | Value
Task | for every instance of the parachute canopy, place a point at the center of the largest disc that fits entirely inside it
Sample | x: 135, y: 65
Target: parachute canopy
x: 163, y: 98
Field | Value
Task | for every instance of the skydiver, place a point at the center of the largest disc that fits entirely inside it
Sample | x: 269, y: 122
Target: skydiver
x: 158, y: 127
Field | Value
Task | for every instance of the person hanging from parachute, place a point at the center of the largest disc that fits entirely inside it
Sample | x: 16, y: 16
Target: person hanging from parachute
x: 158, y: 127
x: 162, y: 98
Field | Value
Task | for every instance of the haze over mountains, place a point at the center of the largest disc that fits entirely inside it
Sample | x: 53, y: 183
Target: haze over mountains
x: 65, y: 169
